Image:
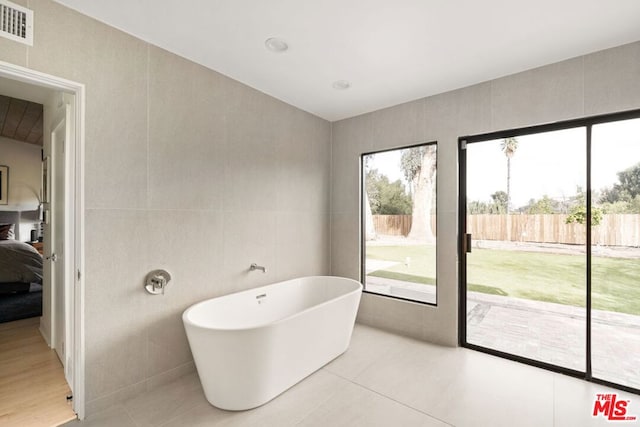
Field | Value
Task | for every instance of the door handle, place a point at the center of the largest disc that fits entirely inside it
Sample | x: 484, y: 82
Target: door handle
x: 53, y: 257
x: 467, y: 243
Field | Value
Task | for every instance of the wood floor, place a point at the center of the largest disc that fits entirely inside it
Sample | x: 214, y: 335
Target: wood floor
x: 32, y: 386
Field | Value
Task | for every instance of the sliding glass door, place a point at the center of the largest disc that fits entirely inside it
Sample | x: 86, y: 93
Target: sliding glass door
x: 550, y: 247
x: 615, y: 260
x: 526, y: 266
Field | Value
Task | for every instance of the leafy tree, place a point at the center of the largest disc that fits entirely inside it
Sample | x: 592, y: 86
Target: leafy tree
x: 545, y: 205
x: 629, y: 181
x: 477, y: 207
x: 419, y: 166
x: 500, y: 202
x: 622, y: 206
x: 509, y: 147
x: 623, y: 196
x: 578, y: 211
x: 386, y: 198
x: 579, y: 214
x: 370, y: 229
x: 498, y: 205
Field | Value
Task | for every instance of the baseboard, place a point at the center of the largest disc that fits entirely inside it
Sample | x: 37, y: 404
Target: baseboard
x: 46, y: 336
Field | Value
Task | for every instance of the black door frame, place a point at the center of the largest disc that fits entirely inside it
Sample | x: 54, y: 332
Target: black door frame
x: 588, y: 124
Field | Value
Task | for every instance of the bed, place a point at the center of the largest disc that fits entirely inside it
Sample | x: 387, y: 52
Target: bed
x: 20, y: 263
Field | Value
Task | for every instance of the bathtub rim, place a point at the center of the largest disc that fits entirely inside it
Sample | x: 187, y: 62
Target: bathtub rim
x: 187, y: 321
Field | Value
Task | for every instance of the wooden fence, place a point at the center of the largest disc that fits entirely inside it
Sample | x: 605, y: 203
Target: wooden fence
x: 397, y: 225
x: 392, y: 225
x: 613, y: 230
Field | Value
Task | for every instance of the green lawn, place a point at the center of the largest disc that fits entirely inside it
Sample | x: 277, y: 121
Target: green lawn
x: 533, y: 275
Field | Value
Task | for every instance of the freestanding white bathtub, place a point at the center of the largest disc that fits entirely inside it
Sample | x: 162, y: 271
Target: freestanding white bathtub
x: 251, y: 346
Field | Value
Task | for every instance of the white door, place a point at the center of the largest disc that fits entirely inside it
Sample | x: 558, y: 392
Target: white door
x: 56, y: 231
x: 58, y: 140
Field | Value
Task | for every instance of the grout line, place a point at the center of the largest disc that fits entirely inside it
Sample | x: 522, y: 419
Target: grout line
x: 157, y: 210
x: 491, y: 105
x: 388, y: 397
x: 128, y: 414
x: 553, y: 401
x: 148, y: 198
x: 583, y: 86
x: 27, y: 47
x: 330, y: 240
x: 327, y: 396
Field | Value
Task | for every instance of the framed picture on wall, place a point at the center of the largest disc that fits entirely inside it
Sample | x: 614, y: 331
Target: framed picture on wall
x: 4, y: 185
x: 45, y: 180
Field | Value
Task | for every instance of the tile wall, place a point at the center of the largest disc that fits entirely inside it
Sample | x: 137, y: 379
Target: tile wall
x: 186, y: 170
x: 598, y: 83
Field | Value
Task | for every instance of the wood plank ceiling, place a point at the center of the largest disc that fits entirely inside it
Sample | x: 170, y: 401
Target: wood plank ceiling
x: 21, y: 120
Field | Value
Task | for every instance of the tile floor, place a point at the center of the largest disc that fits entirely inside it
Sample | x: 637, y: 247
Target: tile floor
x: 389, y: 380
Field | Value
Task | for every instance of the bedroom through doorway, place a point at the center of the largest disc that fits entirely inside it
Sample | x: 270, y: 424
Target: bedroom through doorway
x: 36, y: 125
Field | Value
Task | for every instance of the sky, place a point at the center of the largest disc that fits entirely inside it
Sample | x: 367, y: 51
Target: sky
x: 388, y: 163
x: 551, y: 163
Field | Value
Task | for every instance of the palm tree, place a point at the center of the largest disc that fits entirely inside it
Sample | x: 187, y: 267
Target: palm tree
x: 509, y: 147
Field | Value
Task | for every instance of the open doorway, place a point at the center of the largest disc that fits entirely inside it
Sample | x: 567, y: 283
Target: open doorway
x: 49, y: 226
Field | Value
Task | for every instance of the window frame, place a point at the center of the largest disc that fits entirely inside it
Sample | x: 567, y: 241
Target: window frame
x: 362, y: 236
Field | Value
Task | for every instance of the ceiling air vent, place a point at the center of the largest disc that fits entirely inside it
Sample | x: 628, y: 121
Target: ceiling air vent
x: 16, y: 22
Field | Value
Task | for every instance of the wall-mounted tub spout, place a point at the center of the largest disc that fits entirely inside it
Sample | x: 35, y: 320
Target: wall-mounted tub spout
x: 255, y: 266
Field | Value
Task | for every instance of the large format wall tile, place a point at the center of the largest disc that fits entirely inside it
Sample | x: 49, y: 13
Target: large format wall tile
x: 113, y: 67
x: 251, y: 164
x: 345, y: 245
x: 319, y: 132
x: 547, y: 94
x: 460, y: 112
x: 300, y: 249
x: 394, y: 315
x: 611, y: 80
x: 350, y: 138
x: 116, y: 263
x: 249, y: 237
x: 398, y: 126
x: 187, y: 134
x: 189, y: 244
x: 293, y: 181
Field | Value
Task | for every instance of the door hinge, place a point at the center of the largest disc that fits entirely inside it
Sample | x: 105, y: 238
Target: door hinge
x: 79, y: 275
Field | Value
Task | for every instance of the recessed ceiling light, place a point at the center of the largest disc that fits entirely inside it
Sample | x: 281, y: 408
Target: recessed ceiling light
x: 341, y: 84
x: 274, y: 44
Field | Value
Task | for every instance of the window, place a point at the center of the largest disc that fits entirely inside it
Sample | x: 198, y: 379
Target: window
x: 399, y: 222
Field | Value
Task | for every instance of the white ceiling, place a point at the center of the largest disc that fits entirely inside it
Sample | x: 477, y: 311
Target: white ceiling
x: 392, y: 51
